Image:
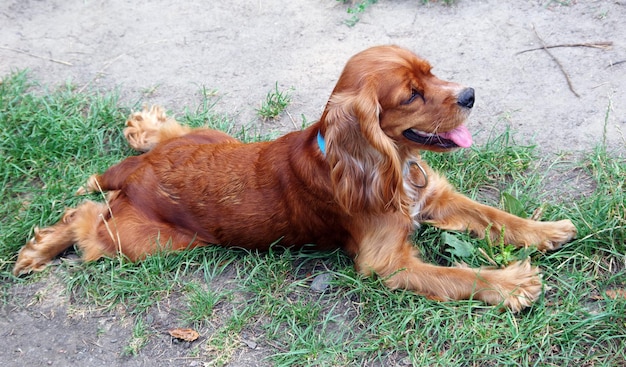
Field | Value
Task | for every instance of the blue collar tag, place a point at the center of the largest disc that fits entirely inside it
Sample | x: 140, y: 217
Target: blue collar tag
x: 321, y: 142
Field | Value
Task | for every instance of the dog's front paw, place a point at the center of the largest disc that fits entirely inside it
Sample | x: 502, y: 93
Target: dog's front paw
x: 525, y: 287
x: 515, y: 287
x: 555, y: 234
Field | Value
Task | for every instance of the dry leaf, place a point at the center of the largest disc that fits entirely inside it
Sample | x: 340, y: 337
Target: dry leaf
x: 537, y: 214
x: 616, y: 293
x: 611, y: 293
x: 184, y: 334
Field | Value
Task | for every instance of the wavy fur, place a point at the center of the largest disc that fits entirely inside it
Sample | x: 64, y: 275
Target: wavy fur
x: 197, y: 187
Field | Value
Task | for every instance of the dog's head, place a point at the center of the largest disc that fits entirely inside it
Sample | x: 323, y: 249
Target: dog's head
x: 387, y: 101
x: 390, y: 89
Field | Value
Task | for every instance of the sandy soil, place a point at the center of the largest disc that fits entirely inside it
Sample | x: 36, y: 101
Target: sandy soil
x: 165, y: 52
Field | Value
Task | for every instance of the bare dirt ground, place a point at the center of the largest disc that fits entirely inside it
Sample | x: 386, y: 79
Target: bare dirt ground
x: 166, y: 51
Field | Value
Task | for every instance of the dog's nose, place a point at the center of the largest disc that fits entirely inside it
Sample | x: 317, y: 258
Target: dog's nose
x: 466, y: 98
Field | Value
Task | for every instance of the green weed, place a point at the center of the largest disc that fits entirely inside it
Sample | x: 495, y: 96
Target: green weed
x: 201, y: 303
x: 356, y: 9
x: 275, y: 103
x: 139, y: 338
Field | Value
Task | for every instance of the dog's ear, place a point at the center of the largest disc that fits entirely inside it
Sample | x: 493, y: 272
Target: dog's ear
x: 366, y: 172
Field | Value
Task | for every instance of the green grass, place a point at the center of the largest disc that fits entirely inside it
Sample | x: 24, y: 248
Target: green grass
x: 358, y: 7
x: 275, y: 103
x: 52, y: 140
x: 139, y: 338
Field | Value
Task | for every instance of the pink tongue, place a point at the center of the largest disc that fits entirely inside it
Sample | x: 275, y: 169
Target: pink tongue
x: 461, y: 136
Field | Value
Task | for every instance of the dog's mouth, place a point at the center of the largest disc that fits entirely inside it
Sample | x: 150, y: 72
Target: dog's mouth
x: 460, y: 137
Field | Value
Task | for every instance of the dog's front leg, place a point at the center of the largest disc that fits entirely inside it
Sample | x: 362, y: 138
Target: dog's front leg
x: 447, y: 209
x: 381, y: 248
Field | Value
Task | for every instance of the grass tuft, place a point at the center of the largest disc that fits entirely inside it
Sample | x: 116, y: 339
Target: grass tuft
x: 201, y: 303
x: 275, y: 103
x: 358, y: 7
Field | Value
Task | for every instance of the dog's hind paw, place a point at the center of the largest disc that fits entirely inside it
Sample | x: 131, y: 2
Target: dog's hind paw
x: 91, y: 186
x: 30, y: 257
x: 142, y: 128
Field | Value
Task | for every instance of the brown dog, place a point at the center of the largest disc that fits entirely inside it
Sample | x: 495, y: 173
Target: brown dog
x: 354, y: 180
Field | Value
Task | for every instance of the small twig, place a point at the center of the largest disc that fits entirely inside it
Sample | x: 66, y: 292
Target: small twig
x: 291, y: 118
x: 487, y: 257
x: 110, y: 62
x: 537, y: 214
x: 36, y: 56
x: 598, y: 232
x: 604, y: 45
x: 616, y: 63
x: 106, y: 223
x: 100, y: 72
x: 545, y: 48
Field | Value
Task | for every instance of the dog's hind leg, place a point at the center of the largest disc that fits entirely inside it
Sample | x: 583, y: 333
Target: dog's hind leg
x: 102, y: 230
x: 145, y: 129
x: 113, y: 178
x: 49, y: 242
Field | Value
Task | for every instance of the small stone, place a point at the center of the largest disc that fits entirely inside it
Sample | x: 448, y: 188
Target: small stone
x: 321, y: 282
x: 251, y: 344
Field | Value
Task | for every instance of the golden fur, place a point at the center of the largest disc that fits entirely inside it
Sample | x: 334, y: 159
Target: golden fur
x: 365, y: 193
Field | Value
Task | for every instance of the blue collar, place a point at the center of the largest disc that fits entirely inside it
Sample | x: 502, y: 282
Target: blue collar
x: 321, y: 143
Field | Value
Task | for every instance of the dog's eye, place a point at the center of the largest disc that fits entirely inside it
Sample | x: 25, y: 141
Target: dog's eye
x: 414, y: 94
